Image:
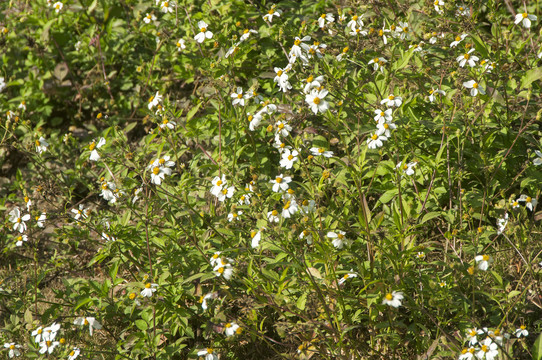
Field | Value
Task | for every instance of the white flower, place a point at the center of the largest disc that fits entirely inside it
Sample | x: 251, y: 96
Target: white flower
x: 385, y: 127
x: 288, y: 158
x: 149, y: 17
x: 472, y: 335
x: 231, y: 329
x: 392, y: 100
x: 402, y: 30
x: 74, y: 353
x: 339, y: 239
x: 203, y: 300
x: 256, y: 237
x: 226, y: 192
x: 458, y: 40
x: 234, y: 216
x: 462, y: 11
x: 108, y: 237
x: 280, y: 183
x: 467, y: 354
x: 48, y: 346
x: 238, y: 97
x: 223, y: 269
x: 269, y: 17
x: 273, y: 216
x: 246, y: 34
x: 296, y: 51
x: 393, y: 299
x: 218, y: 184
x: 282, y: 79
x: 525, y: 19
x: 204, y: 33
x: 20, y: 239
x: 180, y: 45
x: 37, y: 334
x: 383, y: 116
x: 170, y: 124
x: 382, y: 33
x: 501, y: 224
x: 321, y: 152
x: 467, y: 58
x: 312, y: 83
x: 316, y: 100
x: 377, y: 62
x: 489, y: 349
x: 49, y: 333
x: 41, y: 145
x: 530, y: 203
x: 408, y: 169
x: 109, y: 192
x: 90, y: 321
x: 165, y: 6
x: 2, y: 83
x: 289, y: 208
x: 483, y: 261
x: 437, y: 4
x: 208, y: 353
x: 433, y: 92
x: 376, y: 139
x: 149, y: 289
x: 58, y: 6
x: 154, y: 100
x: 305, y: 234
x: 474, y: 87
x: 283, y: 128
x: 94, y: 156
x: 325, y: 18
x: 355, y: 22
x: 81, y: 213
x: 347, y: 276
x: 13, y: 349
x: 18, y: 220
x: 254, y: 121
x: 522, y: 331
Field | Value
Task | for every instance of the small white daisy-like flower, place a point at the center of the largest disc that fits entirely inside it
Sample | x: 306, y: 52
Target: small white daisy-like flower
x: 149, y: 17
x: 525, y: 19
x: 321, y: 152
x: 80, y: 213
x: 467, y: 58
x: 231, y: 329
x: 522, y: 331
x: 530, y: 203
x: 346, y: 277
x: 377, y: 62
x: 246, y: 34
x: 74, y: 353
x: 393, y: 299
x: 438, y: 4
x: 204, y: 33
x: 234, y: 216
x: 256, y: 237
x: 149, y: 290
x: 316, y: 101
x: 273, y: 216
x: 458, y: 39
x: 325, y: 19
x: 13, y: 349
x: 169, y: 124
x: 58, y: 6
x: 392, y: 101
x: 434, y: 92
x: 41, y: 145
x: 154, y: 100
x: 19, y: 222
x: 280, y: 183
x: 166, y: 7
x: 377, y: 139
x: 21, y: 239
x: 90, y: 321
x: 288, y: 158
x: 208, y: 354
x: 474, y: 87
x: 223, y: 269
x: 180, y: 44
x: 339, y: 240
x: 488, y: 350
x: 538, y: 160
x: 94, y: 155
x: 408, y: 169
x: 483, y: 261
x: 272, y: 13
x: 289, y: 208
x: 383, y: 116
x: 238, y: 97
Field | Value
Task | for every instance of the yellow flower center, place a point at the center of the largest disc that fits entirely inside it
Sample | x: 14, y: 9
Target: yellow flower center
x: 104, y: 186
x: 497, y: 332
x: 376, y: 60
x: 250, y: 117
x: 221, y: 270
x: 86, y: 321
x: 436, y: 2
x: 355, y: 17
x: 321, y: 151
x: 165, y: 4
x: 253, y: 233
x: 458, y: 38
x: 224, y: 191
x: 485, y: 257
x: 524, y: 15
x: 472, y: 333
x: 323, y: 16
x: 345, y: 50
x: 471, y: 350
x: 374, y: 137
x: 389, y: 297
x: 274, y: 212
x: 464, y: 351
x: 203, y: 29
x: 287, y: 205
x: 405, y: 29
x: 391, y: 97
x: 132, y: 296
x: 475, y: 85
x: 92, y: 146
x: 19, y: 220
x: 271, y: 12
x: 278, y: 180
x: 165, y: 121
x: 297, y: 42
x: 291, y: 191
x: 528, y: 199
x: 340, y: 236
x: 156, y: 170
x: 386, y: 126
x: 282, y: 145
x: 470, y: 270
x: 162, y: 161
x: 466, y: 56
x: 62, y: 340
x: 281, y: 126
x: 279, y: 73
x: 72, y: 353
x: 380, y: 32
x: 245, y: 31
x: 228, y: 325
x: 239, y: 330
x: 219, y: 183
x: 12, y: 347
x: 290, y: 157
x: 147, y: 285
x: 431, y: 91
x: 522, y: 327
x: 316, y: 100
x: 151, y: 98
x: 239, y: 96
x: 485, y: 348
x: 310, y: 79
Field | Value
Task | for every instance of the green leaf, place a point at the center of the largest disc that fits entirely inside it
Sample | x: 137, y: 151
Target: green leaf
x: 513, y: 293
x: 401, y: 63
x: 300, y: 303
x: 429, y: 216
x: 388, y: 195
x: 530, y: 76
x: 537, y: 348
x: 141, y: 324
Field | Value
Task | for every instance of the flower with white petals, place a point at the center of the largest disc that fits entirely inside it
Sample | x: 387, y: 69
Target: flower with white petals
x: 538, y: 160
x: 501, y: 224
x: 231, y: 329
x: 74, y: 353
x: 41, y: 145
x: 408, y: 169
x: 288, y: 158
x: 149, y: 17
x: 525, y: 19
x: 21, y: 239
x: 530, y: 203
x: 474, y: 87
x: 58, y: 6
x: 13, y: 349
x: 321, y: 152
x: 376, y: 139
x: 154, y: 100
x: 94, y: 155
x: 271, y: 13
x: 208, y: 354
x: 402, y: 30
x: 282, y: 79
x: 392, y: 101
x: 81, y: 213
x: 377, y: 62
x: 223, y: 269
x: 383, y: 116
x: 18, y: 220
x: 393, y: 299
x: 256, y: 237
x: 203, y: 32
x: 325, y: 19
x: 438, y: 4
x: 458, y: 39
x: 180, y: 44
x: 149, y: 290
x: 467, y: 58
x: 280, y: 183
x: 339, y: 240
x: 488, y: 350
x: 483, y: 261
x: 385, y: 127
x: 234, y: 216
x: 316, y: 101
x: 434, y: 92
x: 522, y: 331
x: 48, y: 346
x: 246, y: 34
x: 347, y: 276
x: 273, y: 216
x: 289, y: 208
x: 166, y: 7
x: 90, y: 321
x: 237, y: 97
